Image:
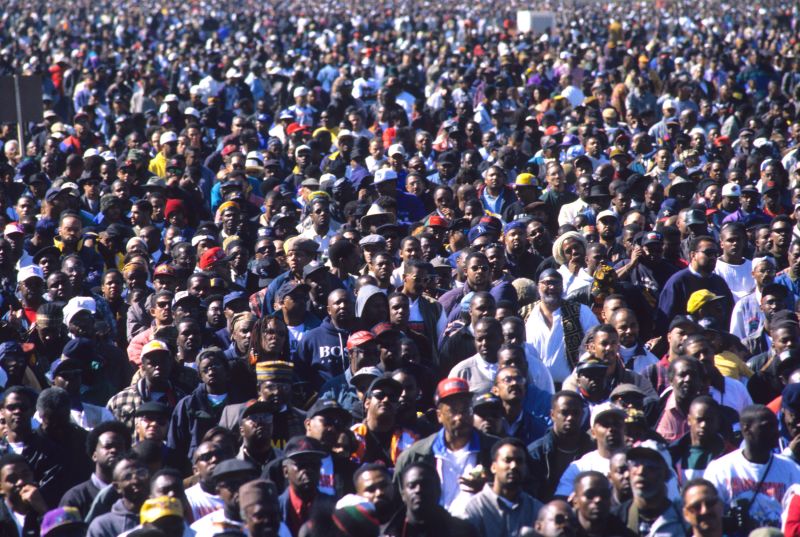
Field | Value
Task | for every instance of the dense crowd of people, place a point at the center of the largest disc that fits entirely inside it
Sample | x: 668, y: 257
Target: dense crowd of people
x: 401, y: 269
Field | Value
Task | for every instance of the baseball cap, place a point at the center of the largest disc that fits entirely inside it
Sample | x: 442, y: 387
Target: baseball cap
x: 605, y: 214
x: 384, y: 329
x: 383, y: 175
x: 13, y: 228
x: 372, y: 240
x: 681, y: 320
x: 323, y: 406
x: 731, y: 190
x: 396, y: 149
x: 624, y: 389
x: 643, y: 452
x: 303, y: 445
x: 700, y: 298
x: 30, y: 271
x: 211, y: 257
x: 78, y: 304
x: 652, y: 237
x: 451, y: 387
x: 233, y: 466
x: 157, y: 508
x: 605, y: 409
x: 386, y: 382
x: 61, y: 517
x: 695, y: 217
x: 364, y: 376
x: 154, y: 346
x: 168, y: 137
x: 254, y: 407
x: 525, y: 179
x: 289, y: 287
x: 359, y: 338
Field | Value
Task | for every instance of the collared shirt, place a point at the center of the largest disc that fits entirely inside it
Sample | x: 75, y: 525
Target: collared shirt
x: 453, y: 464
x: 298, y: 512
x: 549, y: 341
x: 574, y: 282
x: 673, y: 423
x: 496, y: 516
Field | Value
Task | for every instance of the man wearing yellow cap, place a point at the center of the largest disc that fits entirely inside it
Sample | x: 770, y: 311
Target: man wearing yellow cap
x: 162, y: 513
x: 527, y: 192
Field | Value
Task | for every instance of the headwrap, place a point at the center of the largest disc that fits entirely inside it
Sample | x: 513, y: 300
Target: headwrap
x: 558, y: 245
x: 241, y: 317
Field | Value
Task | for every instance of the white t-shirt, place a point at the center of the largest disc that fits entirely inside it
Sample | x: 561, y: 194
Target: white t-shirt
x: 738, y: 277
x: 201, y: 502
x: 591, y: 461
x: 574, y: 282
x: 736, y: 478
x: 537, y: 371
x: 641, y: 362
x: 549, y: 342
x: 736, y: 395
x: 295, y: 336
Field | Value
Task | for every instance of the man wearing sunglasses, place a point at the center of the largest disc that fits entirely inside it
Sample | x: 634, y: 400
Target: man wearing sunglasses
x: 379, y: 438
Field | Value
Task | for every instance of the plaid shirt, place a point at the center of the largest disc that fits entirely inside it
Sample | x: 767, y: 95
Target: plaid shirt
x: 124, y: 404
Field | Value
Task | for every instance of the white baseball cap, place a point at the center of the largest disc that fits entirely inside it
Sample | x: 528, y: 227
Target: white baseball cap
x: 384, y: 174
x: 77, y: 304
x: 30, y: 271
x: 396, y: 149
x: 168, y: 137
x: 191, y: 111
x: 731, y: 190
x: 300, y: 92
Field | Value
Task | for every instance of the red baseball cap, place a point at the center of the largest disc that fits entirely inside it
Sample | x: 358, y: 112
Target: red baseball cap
x: 210, y: 257
x: 450, y: 387
x: 359, y: 338
x: 437, y: 221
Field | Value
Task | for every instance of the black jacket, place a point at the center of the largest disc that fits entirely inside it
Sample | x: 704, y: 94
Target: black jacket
x: 543, y: 460
x: 443, y: 524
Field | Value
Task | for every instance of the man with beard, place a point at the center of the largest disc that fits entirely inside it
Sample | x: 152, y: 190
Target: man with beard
x: 374, y: 483
x: 502, y: 508
x: 258, y: 503
x: 301, y: 469
x: 421, y: 490
x: 106, y: 444
x: 202, y: 496
x: 650, y: 512
x: 607, y: 426
x: 379, y: 438
x: 564, y: 443
x: 556, y: 326
x: 131, y: 480
x: 228, y: 476
x: 479, y: 278
x: 645, y: 269
x: 686, y: 377
x: 592, y: 503
x: 459, y: 345
x: 255, y: 429
x: 698, y: 275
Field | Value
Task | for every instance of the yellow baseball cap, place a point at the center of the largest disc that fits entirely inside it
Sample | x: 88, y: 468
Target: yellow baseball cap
x: 160, y: 507
x: 700, y: 298
x: 525, y: 179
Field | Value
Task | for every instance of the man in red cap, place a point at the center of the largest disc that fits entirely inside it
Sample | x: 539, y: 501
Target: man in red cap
x: 213, y: 261
x: 362, y: 351
x: 460, y: 453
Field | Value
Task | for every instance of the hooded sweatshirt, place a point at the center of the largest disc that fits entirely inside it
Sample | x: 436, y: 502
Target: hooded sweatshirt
x: 119, y: 520
x: 323, y: 353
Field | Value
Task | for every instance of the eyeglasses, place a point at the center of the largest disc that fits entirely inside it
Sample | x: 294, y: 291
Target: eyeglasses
x: 381, y: 395
x: 138, y: 473
x: 550, y: 283
x: 560, y: 519
x: 710, y: 252
x: 162, y: 305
